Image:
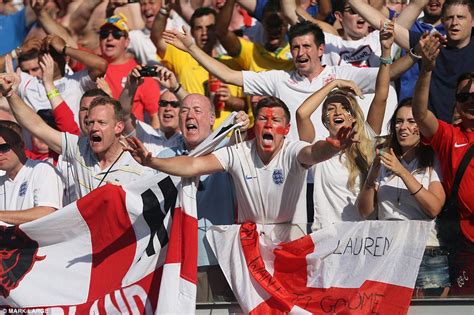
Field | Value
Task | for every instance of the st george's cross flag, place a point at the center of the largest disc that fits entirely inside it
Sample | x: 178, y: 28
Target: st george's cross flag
x: 348, y: 268
x: 118, y: 250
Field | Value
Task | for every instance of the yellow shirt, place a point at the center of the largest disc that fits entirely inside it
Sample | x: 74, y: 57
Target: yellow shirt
x: 194, y: 77
x: 255, y: 57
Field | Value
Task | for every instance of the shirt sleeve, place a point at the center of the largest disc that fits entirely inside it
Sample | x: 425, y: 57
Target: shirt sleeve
x: 69, y: 146
x: 148, y: 95
x: 225, y: 156
x: 245, y: 56
x: 49, y: 195
x: 259, y: 83
x: 442, y: 140
x: 65, y: 119
x: 365, y: 78
x: 413, y: 38
x: 85, y: 81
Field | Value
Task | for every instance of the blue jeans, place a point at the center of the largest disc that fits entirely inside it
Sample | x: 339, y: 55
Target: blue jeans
x: 434, y: 270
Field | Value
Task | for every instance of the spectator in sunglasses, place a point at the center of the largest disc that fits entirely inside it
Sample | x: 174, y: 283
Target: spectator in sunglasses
x: 451, y: 143
x: 23, y: 195
x: 114, y: 40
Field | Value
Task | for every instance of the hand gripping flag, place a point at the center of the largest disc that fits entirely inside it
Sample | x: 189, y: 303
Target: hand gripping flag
x: 349, y: 268
x: 118, y: 250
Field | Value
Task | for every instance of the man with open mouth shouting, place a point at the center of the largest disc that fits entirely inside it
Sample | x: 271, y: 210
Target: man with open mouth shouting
x: 269, y: 172
x: 97, y: 157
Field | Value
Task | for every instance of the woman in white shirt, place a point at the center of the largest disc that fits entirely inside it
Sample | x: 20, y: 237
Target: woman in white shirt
x: 338, y: 179
x: 404, y: 184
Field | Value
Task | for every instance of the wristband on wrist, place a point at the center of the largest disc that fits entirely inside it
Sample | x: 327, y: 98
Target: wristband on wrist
x: 177, y: 88
x: 413, y: 54
x: 52, y: 94
x: 386, y: 60
x: 15, y: 53
x: 421, y: 187
x: 63, y: 51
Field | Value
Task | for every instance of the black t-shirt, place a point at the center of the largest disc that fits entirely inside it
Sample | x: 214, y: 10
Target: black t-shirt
x: 450, y: 64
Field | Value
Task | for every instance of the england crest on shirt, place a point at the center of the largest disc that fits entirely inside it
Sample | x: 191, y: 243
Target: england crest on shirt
x: 23, y: 187
x: 278, y: 176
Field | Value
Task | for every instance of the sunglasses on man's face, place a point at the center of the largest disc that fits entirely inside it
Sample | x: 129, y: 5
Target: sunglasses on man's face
x: 174, y: 104
x: 5, y: 147
x: 463, y: 96
x: 103, y: 34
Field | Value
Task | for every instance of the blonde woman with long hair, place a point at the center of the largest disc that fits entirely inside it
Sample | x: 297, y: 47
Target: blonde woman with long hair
x: 337, y: 181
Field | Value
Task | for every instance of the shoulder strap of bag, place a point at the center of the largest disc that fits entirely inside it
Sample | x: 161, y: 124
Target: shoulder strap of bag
x: 459, y: 174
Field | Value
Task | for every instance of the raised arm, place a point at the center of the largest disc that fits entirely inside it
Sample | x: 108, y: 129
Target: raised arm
x: 159, y: 25
x: 228, y: 39
x: 367, y: 198
x: 185, y: 42
x: 374, y: 16
x: 410, y: 13
x: 184, y: 166
x: 126, y: 98
x: 325, y: 149
x: 32, y: 43
x: 81, y: 16
x: 24, y: 114
x: 249, y: 5
x: 96, y: 65
x: 425, y: 119
x: 304, y: 112
x: 167, y: 79
x: 51, y: 26
x: 62, y: 113
x: 379, y: 102
x: 30, y: 13
x: 294, y: 13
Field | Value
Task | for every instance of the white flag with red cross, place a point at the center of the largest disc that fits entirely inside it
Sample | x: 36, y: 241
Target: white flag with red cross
x: 348, y: 268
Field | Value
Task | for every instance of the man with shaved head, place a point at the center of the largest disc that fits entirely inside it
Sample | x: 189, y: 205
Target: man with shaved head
x: 215, y: 196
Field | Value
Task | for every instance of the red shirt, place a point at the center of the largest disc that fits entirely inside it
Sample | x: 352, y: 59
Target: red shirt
x: 451, y: 143
x: 64, y: 119
x: 147, y: 96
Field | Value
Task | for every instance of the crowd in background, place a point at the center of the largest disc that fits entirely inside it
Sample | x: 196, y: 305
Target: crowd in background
x: 349, y: 110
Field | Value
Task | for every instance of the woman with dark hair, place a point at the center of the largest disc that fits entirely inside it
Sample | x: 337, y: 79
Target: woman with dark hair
x: 404, y: 184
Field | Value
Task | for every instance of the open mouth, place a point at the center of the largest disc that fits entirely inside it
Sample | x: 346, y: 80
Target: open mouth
x: 190, y: 127
x: 96, y: 138
x: 267, y: 139
x: 434, y: 5
x: 338, y: 121
x: 403, y: 135
x: 360, y: 23
x: 302, y: 60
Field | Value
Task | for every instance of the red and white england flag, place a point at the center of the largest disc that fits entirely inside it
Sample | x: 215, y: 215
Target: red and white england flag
x: 118, y: 250
x: 348, y: 268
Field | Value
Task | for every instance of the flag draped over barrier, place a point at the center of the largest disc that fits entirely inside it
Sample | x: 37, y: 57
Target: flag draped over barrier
x: 130, y: 249
x: 348, y: 268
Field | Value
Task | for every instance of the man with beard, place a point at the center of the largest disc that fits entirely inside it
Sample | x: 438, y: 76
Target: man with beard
x: 97, y: 158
